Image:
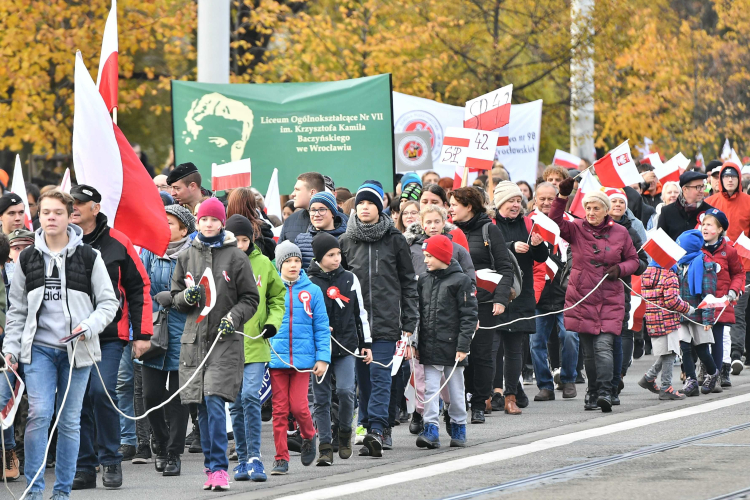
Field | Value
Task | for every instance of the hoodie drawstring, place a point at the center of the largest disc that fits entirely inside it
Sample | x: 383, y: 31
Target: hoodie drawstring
x: 55, y: 259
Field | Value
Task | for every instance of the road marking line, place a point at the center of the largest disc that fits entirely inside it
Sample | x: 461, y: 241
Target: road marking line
x: 508, y: 453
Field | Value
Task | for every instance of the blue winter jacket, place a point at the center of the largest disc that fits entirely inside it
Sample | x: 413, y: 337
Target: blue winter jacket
x: 304, y: 240
x: 305, y: 327
x: 159, y: 270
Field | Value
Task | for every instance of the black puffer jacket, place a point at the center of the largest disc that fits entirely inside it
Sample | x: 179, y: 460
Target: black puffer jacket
x: 447, y: 315
x: 674, y: 220
x: 514, y: 230
x: 552, y: 297
x: 266, y: 244
x: 480, y: 256
x: 389, y: 285
x: 350, y: 326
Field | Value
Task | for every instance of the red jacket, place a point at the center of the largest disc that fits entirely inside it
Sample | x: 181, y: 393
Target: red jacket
x: 736, y: 208
x: 661, y: 286
x: 731, y: 276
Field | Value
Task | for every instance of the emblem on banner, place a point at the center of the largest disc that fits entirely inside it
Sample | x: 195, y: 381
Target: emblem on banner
x: 422, y: 120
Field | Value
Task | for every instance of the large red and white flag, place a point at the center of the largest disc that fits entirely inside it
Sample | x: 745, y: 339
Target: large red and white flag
x: 465, y: 147
x: 550, y: 268
x: 565, y: 160
x: 663, y: 249
x: 18, y: 186
x: 672, y: 169
x: 491, y: 112
x: 711, y: 302
x: 107, y: 78
x: 488, y: 279
x: 742, y: 245
x: 545, y: 227
x: 637, y: 305
x: 231, y: 175
x: 104, y: 159
x: 654, y: 159
x: 587, y: 183
x: 617, y: 168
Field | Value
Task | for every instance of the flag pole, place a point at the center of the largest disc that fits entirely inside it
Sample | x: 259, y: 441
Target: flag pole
x: 465, y: 179
x: 114, y: 115
x: 490, y: 184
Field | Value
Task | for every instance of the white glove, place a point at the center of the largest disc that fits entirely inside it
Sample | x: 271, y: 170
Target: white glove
x: 732, y: 295
x: 691, y: 311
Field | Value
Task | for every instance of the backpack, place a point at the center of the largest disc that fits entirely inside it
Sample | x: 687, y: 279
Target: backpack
x: 517, y: 273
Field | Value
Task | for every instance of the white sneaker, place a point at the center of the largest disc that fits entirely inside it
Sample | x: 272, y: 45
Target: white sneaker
x: 360, y: 436
x: 737, y: 367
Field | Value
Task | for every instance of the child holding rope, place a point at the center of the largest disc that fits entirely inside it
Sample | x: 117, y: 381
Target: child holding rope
x: 236, y: 300
x: 447, y: 322
x: 302, y: 345
x: 349, y: 331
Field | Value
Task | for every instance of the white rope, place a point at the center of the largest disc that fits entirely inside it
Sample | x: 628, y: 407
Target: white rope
x: 317, y: 380
x: 2, y: 437
x: 360, y: 356
x: 440, y: 389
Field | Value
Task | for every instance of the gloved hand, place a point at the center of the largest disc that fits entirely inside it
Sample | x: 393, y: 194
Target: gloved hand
x: 691, y: 311
x: 192, y: 294
x: 613, y: 273
x: 566, y: 186
x: 269, y: 331
x: 732, y: 295
x: 164, y: 298
x: 226, y: 326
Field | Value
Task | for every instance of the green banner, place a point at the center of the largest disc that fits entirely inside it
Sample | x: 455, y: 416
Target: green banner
x: 342, y: 129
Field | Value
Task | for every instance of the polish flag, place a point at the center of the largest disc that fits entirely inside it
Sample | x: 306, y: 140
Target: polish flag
x: 488, y: 279
x: 587, y: 183
x: 742, y: 245
x: 272, y: 199
x: 65, y: 183
x: 672, y: 169
x: 104, y: 159
x: 637, y: 305
x: 617, y: 168
x: 491, y: 112
x: 711, y: 302
x: 653, y: 159
x: 663, y: 249
x: 18, y: 186
x: 550, y: 268
x: 411, y: 395
x: 106, y: 80
x: 209, y: 287
x: 231, y: 175
x: 458, y: 177
x: 464, y: 147
x: 8, y: 412
x: 545, y: 227
x: 565, y: 160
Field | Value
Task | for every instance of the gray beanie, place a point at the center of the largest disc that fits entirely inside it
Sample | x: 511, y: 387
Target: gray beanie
x: 184, y: 215
x: 504, y: 191
x: 286, y: 250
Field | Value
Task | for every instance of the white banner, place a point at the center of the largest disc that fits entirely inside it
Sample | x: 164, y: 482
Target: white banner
x: 521, y: 156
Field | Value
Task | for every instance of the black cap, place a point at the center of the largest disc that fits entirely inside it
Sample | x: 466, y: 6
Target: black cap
x: 8, y: 200
x: 329, y: 183
x: 239, y: 225
x: 181, y: 171
x: 691, y: 175
x: 729, y: 172
x: 84, y: 192
x: 322, y: 244
x: 713, y: 164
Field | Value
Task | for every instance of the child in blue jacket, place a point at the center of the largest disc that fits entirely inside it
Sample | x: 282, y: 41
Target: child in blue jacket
x: 302, y: 345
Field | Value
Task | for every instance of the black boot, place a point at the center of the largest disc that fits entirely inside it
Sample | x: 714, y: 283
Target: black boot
x: 112, y: 476
x: 725, y: 368
x: 589, y: 401
x: 417, y: 423
x: 522, y: 400
x: 160, y: 460
x: 498, y: 402
x: 477, y: 416
x: 84, y: 480
x: 173, y: 466
x: 604, y: 402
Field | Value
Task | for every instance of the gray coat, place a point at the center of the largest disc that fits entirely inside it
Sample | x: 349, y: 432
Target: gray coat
x: 415, y: 236
x: 21, y: 321
x: 237, y: 294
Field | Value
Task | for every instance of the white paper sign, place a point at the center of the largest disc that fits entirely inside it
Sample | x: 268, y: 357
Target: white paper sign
x: 465, y: 147
x: 521, y: 157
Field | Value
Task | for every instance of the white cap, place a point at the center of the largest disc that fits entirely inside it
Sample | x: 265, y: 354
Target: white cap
x: 745, y: 170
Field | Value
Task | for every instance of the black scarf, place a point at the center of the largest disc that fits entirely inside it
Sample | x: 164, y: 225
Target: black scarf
x: 368, y: 233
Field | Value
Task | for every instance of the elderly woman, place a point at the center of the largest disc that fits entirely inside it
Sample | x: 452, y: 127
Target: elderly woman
x: 527, y: 248
x: 602, y: 249
x: 669, y: 194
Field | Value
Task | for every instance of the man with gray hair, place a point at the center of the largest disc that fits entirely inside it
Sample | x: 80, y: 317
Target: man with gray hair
x: 550, y: 284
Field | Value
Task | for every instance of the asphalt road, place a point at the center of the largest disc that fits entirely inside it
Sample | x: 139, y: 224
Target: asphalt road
x: 693, y: 449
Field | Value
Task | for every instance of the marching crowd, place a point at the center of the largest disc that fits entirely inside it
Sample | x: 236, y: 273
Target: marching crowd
x: 122, y: 350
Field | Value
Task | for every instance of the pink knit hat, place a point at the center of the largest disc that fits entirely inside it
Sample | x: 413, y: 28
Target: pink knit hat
x: 212, y: 207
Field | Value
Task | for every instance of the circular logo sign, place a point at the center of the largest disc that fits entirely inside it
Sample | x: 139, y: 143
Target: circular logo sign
x: 413, y: 150
x: 422, y: 120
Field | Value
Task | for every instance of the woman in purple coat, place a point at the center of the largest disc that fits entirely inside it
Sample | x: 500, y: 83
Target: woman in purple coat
x: 600, y: 248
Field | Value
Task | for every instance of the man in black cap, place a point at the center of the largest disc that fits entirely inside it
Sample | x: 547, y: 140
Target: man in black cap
x: 11, y: 213
x: 99, y: 420
x: 185, y: 181
x: 684, y: 214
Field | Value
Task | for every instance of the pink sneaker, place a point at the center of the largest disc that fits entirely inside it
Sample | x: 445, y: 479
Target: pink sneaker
x: 210, y: 481
x: 221, y: 480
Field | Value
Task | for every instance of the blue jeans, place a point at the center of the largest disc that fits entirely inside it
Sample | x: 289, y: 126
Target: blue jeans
x: 568, y: 341
x: 343, y: 369
x: 47, y: 372
x: 99, y: 420
x: 212, y: 419
x: 622, y: 357
x: 125, y: 398
x: 245, y: 413
x: 375, y: 387
x: 9, y: 434
x: 717, y: 349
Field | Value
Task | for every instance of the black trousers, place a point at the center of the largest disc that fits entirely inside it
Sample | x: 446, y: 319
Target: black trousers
x: 507, y: 349
x: 479, y: 374
x: 598, y: 358
x: 169, y: 424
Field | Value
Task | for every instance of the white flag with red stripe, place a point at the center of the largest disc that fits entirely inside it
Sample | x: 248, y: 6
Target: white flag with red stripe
x: 107, y: 78
x: 18, y: 186
x: 672, y: 169
x: 458, y: 177
x: 637, y: 305
x: 662, y: 248
x: 231, y: 175
x: 488, y: 279
x: 587, y: 183
x: 491, y: 112
x: 565, y: 160
x: 464, y: 147
x: 742, y: 245
x: 711, y: 302
x: 550, y: 268
x: 272, y: 199
x: 617, y: 168
x: 654, y: 159
x: 104, y: 159
x: 545, y: 227
x: 8, y: 412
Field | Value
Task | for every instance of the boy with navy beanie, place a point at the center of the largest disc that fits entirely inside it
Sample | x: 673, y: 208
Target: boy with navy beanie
x: 377, y: 253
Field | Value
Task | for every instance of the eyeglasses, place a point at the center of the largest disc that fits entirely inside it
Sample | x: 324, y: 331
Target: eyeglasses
x: 318, y: 211
x: 699, y: 187
x: 412, y: 214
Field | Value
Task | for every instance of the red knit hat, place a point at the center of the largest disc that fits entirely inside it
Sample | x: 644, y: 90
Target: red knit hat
x: 212, y: 207
x: 439, y: 247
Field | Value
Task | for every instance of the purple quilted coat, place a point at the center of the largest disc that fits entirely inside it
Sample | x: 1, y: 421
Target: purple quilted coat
x: 595, y: 251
